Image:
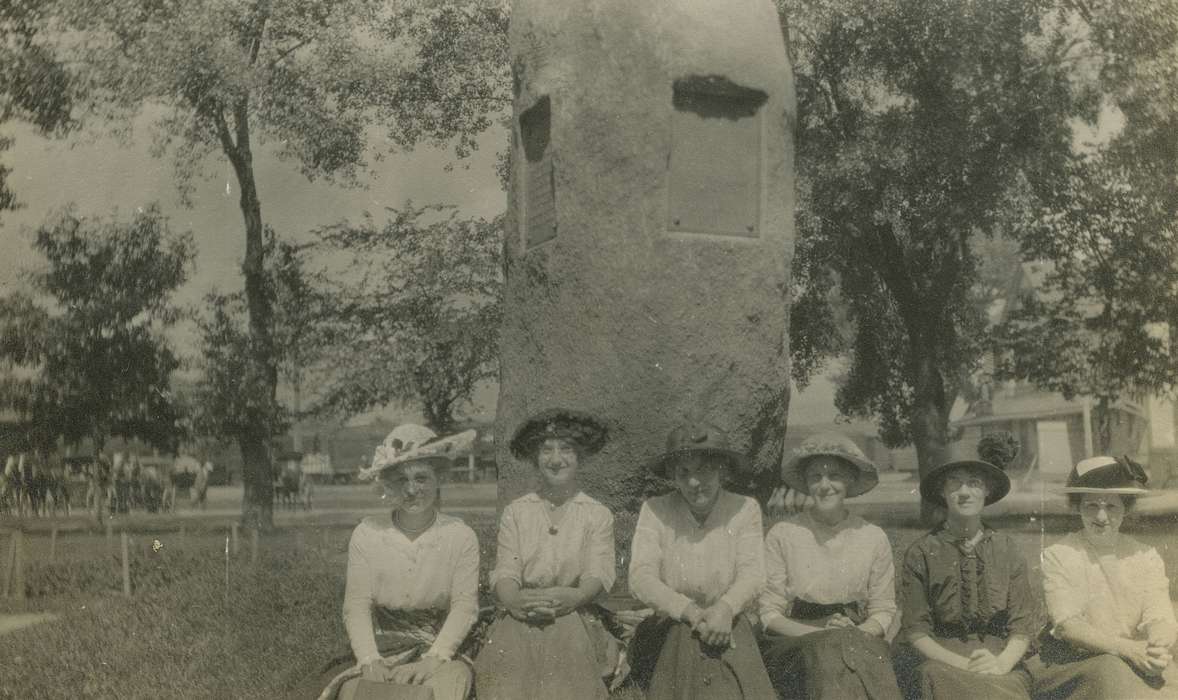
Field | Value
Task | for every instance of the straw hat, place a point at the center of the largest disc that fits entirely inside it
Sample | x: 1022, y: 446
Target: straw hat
x: 1107, y: 475
x: 406, y: 443
x: 836, y: 445
x: 697, y: 438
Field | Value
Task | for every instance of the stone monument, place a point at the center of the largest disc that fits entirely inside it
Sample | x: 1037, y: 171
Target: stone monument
x: 650, y: 228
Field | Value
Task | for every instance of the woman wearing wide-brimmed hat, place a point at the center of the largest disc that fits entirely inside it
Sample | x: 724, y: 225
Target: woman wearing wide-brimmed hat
x: 555, y: 561
x: 412, y: 586
x: 967, y: 609
x: 1113, y: 628
x: 830, y: 595
x: 698, y: 561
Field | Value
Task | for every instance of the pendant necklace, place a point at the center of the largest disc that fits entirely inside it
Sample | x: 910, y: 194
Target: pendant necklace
x: 548, y: 510
x: 413, y: 532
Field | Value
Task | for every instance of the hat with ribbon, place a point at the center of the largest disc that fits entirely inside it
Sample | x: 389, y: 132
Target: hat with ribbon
x: 697, y: 438
x: 1108, y: 475
x: 835, y: 445
x: 587, y: 432
x: 932, y: 485
x: 409, y: 443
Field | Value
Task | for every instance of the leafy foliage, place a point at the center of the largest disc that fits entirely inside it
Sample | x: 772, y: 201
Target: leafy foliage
x: 94, y: 362
x: 421, y: 324
x: 34, y: 86
x: 915, y: 118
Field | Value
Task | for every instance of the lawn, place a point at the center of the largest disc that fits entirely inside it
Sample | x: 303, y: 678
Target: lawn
x: 187, y: 632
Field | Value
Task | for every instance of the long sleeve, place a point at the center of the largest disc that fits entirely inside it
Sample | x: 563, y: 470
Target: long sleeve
x: 1156, y: 592
x: 774, y: 601
x: 602, y: 564
x: 916, y: 614
x: 464, y: 600
x: 508, y: 563
x: 1024, y: 610
x: 358, y: 600
x: 750, y: 559
x: 646, y: 555
x: 881, y: 585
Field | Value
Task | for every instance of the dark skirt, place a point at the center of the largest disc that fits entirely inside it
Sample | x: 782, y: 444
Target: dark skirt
x: 1061, y: 671
x: 568, y: 659
x: 834, y: 664
x: 671, y: 663
x: 921, y: 678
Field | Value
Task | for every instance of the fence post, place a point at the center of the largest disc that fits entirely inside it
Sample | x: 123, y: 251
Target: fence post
x: 470, y: 463
x: 18, y: 569
x: 254, y: 546
x: 110, y: 538
x: 53, y: 544
x: 126, y: 565
x: 236, y: 548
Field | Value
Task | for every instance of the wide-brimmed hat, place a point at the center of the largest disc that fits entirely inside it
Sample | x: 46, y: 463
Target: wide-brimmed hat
x: 587, y: 432
x: 410, y: 443
x: 1107, y: 475
x: 932, y: 484
x: 697, y: 438
x: 836, y: 445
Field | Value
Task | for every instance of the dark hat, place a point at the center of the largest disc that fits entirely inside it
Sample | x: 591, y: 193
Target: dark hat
x: 697, y: 438
x: 836, y: 445
x: 932, y: 484
x: 1107, y: 475
x: 586, y: 431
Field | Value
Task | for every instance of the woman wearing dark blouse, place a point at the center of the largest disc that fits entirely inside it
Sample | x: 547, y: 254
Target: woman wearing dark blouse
x: 968, y: 610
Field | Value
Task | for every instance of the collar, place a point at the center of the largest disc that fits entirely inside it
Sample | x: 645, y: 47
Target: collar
x: 578, y: 497
x: 942, y: 533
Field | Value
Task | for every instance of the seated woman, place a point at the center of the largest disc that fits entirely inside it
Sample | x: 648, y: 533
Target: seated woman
x: 1108, y: 596
x: 830, y: 595
x: 966, y: 605
x: 555, y: 559
x: 698, y: 561
x: 412, y: 586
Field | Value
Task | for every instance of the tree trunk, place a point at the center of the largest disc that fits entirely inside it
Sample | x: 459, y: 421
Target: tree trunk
x: 1102, y: 416
x: 257, y: 508
x: 930, y: 426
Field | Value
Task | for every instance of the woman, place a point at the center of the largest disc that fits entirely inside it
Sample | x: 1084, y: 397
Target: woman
x: 555, y: 559
x: 698, y: 561
x: 412, y: 585
x: 830, y: 595
x: 967, y: 610
x: 1113, y: 627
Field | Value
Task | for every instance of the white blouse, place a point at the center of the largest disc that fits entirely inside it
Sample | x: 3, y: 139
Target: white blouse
x: 850, y: 562
x: 676, y: 561
x: 530, y: 554
x: 438, y: 570
x: 1121, y: 592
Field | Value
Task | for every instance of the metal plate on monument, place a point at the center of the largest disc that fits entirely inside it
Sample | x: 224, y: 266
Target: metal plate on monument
x: 715, y: 168
x: 539, y: 215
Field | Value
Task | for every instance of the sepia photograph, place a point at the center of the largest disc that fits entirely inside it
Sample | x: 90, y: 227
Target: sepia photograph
x: 589, y: 349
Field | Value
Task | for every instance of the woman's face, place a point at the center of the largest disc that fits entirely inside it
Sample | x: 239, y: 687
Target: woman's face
x: 827, y: 480
x: 413, y: 487
x: 557, y: 462
x: 1102, y: 515
x: 698, y: 481
x: 965, y: 492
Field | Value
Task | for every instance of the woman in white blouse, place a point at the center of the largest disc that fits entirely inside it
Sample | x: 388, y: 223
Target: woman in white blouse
x: 555, y: 560
x: 698, y: 561
x: 830, y: 594
x: 1113, y: 627
x: 412, y: 585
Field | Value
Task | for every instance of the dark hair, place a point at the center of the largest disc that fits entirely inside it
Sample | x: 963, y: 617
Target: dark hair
x: 1128, y: 500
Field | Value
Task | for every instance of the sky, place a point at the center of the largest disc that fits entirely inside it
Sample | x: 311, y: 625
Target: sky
x: 101, y: 175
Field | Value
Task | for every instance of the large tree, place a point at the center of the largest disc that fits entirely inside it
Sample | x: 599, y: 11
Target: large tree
x: 88, y: 357
x: 34, y: 87
x: 420, y: 324
x: 915, y: 117
x: 1104, y: 320
x: 315, y: 81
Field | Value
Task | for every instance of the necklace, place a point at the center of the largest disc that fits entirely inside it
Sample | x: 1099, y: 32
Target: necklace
x: 413, y: 532
x: 549, y: 509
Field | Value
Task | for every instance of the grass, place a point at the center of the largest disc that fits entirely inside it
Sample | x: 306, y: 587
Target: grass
x: 187, y: 634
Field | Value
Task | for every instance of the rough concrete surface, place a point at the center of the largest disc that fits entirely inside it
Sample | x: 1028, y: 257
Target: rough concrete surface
x: 622, y: 312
